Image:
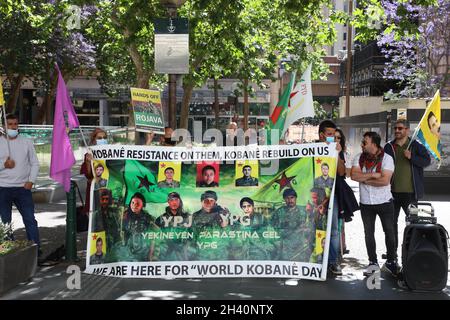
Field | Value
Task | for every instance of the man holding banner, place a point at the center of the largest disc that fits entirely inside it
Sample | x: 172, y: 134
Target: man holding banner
x: 410, y: 158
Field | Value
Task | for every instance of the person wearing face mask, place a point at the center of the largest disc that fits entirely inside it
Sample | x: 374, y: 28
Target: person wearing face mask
x: 327, y: 130
x: 19, y: 167
x: 98, y: 137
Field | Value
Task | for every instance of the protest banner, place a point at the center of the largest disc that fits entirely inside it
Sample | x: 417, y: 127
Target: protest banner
x: 211, y: 212
x: 148, y: 114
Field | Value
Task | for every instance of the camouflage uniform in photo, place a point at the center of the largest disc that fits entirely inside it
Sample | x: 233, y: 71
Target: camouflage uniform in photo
x: 97, y: 259
x: 165, y: 184
x: 252, y: 248
x: 327, y: 184
x: 175, y: 249
x: 297, y: 233
x: 210, y: 222
x: 246, y: 182
x: 108, y: 221
x: 134, y: 225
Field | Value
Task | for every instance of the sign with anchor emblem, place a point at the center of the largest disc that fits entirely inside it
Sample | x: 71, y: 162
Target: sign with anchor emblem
x: 172, y: 46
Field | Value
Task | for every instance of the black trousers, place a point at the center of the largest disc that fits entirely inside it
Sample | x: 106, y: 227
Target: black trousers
x: 401, y: 201
x: 386, y: 213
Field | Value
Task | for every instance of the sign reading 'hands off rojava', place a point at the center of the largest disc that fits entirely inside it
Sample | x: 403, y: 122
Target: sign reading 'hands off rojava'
x: 211, y: 212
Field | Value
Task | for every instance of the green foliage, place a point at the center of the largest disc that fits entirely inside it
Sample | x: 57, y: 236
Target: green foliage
x: 369, y: 19
x: 123, y: 34
x: 6, y: 245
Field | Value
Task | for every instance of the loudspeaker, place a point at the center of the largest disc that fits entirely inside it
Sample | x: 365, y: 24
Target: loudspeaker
x: 425, y: 257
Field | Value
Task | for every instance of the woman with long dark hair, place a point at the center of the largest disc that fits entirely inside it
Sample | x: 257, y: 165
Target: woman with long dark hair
x: 346, y: 198
x: 98, y: 137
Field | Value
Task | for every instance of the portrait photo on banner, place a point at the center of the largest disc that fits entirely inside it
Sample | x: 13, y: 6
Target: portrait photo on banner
x: 97, y: 250
x: 169, y: 174
x: 101, y: 174
x: 247, y: 173
x: 207, y: 174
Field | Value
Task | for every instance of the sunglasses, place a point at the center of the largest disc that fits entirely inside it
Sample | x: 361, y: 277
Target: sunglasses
x: 399, y: 128
x: 337, y: 137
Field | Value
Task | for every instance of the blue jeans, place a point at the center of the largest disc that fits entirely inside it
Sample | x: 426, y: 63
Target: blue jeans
x: 23, y: 200
x: 334, y: 241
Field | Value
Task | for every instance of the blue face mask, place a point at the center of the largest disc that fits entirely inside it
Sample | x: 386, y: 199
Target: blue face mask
x: 12, y: 133
x: 102, y: 141
x: 330, y: 139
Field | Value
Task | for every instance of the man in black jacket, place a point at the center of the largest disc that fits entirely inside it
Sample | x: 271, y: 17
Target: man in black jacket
x: 407, y: 180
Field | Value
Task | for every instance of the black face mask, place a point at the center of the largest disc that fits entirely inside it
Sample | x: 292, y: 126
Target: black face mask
x: 169, y: 141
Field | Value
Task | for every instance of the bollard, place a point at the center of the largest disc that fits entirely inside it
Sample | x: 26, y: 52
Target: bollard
x: 71, y: 225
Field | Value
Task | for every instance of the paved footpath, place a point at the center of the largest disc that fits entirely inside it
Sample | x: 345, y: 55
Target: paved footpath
x: 50, y: 282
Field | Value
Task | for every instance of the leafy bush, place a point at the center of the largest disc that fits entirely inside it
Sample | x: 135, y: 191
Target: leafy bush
x: 7, y: 245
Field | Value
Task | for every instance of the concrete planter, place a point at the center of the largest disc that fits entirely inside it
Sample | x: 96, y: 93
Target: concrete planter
x: 17, y: 267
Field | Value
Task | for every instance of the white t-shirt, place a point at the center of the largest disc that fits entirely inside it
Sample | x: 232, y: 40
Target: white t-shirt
x: 375, y: 195
x: 347, y: 159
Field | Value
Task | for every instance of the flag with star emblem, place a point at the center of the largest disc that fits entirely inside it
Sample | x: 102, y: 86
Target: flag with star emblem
x: 139, y: 178
x: 278, y: 117
x: 298, y: 176
x: 300, y: 101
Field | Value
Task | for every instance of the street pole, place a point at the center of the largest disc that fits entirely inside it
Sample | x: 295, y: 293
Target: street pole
x: 172, y: 85
x: 71, y: 223
x: 172, y: 6
x: 246, y: 107
x: 173, y: 101
x: 349, y: 59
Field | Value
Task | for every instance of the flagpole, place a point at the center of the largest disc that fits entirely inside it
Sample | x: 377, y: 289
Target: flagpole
x: 303, y: 130
x: 6, y: 129
x: 84, y: 139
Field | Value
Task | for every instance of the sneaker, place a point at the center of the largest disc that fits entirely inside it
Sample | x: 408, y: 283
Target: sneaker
x: 384, y: 256
x: 335, y: 269
x: 371, y: 269
x: 391, y: 267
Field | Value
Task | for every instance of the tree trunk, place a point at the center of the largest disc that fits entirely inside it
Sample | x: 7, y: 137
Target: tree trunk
x: 216, y: 102
x: 246, y: 108
x: 16, y: 83
x: 45, y: 114
x: 187, y: 88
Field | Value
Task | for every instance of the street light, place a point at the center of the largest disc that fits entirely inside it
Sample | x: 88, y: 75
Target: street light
x: 172, y: 6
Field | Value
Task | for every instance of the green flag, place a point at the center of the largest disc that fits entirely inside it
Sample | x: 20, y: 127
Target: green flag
x: 139, y: 178
x: 298, y: 176
x: 278, y: 117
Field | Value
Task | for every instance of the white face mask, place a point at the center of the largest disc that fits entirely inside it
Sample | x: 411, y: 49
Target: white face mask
x: 12, y: 133
x: 102, y: 141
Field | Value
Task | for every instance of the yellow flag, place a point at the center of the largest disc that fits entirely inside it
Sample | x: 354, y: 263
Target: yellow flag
x: 2, y: 100
x: 428, y: 132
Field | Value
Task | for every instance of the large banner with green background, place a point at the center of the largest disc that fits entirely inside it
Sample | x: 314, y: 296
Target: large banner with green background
x: 250, y: 211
